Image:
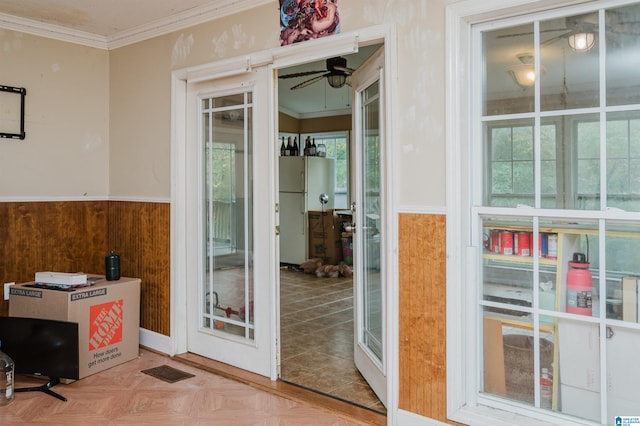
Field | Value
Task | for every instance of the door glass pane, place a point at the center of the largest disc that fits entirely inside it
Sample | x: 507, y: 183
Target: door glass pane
x: 371, y: 229
x: 227, y: 286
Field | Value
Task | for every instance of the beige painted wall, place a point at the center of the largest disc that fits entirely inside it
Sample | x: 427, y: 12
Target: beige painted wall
x: 65, y: 152
x: 140, y: 92
x: 99, y: 122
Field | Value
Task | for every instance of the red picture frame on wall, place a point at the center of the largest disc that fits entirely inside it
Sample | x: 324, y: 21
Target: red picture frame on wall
x: 302, y: 20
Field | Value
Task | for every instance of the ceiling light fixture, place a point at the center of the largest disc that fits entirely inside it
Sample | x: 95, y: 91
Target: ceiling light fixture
x: 582, y: 42
x: 524, y: 74
x: 336, y: 80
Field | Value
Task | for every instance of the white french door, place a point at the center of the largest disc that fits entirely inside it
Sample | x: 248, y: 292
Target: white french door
x: 227, y: 297
x: 370, y: 230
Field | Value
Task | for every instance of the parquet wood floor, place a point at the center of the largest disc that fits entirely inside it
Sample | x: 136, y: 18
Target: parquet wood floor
x: 123, y: 395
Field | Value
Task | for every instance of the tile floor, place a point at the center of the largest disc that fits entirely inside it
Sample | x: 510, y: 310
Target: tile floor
x: 316, y: 326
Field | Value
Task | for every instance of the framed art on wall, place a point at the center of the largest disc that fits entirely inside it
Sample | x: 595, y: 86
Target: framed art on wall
x: 12, y: 112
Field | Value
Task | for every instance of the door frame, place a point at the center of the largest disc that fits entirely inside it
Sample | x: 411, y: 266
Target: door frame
x: 277, y: 58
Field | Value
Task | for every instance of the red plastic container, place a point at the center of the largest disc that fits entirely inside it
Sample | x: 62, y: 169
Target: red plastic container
x: 579, y: 283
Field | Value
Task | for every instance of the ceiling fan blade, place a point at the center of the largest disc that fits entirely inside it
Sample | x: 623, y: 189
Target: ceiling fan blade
x: 300, y: 74
x: 629, y: 28
x: 554, y: 39
x: 345, y: 70
x: 309, y: 82
x: 530, y: 33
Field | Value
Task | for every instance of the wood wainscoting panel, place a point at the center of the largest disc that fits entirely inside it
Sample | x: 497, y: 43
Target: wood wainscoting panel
x: 65, y: 236
x: 140, y: 233
x: 422, y: 309
x: 7, y: 250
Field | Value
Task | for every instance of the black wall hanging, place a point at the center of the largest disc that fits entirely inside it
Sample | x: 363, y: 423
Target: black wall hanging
x: 12, y: 112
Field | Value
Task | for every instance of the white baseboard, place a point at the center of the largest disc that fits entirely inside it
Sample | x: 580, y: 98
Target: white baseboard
x: 407, y: 418
x: 156, y: 341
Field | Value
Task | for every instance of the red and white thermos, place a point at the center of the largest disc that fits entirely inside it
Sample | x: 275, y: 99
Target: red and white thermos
x: 579, y: 283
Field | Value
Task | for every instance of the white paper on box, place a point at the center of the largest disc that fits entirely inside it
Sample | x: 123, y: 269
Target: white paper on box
x: 65, y: 278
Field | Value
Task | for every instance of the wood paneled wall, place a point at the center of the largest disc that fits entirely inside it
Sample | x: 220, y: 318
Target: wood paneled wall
x: 51, y: 236
x: 422, y: 308
x: 73, y: 236
x: 140, y: 233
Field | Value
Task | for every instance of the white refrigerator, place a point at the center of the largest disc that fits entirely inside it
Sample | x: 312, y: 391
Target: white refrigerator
x: 302, y: 181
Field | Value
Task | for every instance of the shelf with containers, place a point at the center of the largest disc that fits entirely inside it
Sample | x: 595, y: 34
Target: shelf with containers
x: 509, y: 273
x: 565, y: 317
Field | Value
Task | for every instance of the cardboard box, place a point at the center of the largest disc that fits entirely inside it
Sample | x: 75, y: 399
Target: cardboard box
x: 580, y: 402
x: 579, y: 354
x: 580, y: 369
x: 325, y: 230
x: 107, y: 313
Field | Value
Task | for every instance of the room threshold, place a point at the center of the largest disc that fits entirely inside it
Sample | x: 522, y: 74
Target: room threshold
x: 347, y: 410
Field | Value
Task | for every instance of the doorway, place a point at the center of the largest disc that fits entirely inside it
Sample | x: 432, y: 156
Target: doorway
x: 201, y: 92
x: 316, y: 311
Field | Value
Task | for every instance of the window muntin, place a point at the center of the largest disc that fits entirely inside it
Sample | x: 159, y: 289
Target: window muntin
x: 595, y: 160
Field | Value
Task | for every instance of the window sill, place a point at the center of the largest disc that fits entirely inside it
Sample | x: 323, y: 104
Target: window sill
x: 487, y: 416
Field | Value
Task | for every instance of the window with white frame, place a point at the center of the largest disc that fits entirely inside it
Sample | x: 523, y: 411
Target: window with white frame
x: 557, y: 151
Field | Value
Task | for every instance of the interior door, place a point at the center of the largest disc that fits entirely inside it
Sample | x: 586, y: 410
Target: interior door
x: 369, y: 214
x: 227, y: 305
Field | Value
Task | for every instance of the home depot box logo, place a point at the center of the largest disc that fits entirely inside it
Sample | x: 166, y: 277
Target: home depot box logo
x: 105, y: 324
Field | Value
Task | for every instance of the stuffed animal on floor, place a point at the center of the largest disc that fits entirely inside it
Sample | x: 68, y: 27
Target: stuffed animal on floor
x: 345, y: 270
x: 310, y: 266
x: 331, y: 271
x: 317, y: 266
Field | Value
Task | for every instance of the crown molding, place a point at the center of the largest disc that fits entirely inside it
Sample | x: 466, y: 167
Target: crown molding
x: 55, y: 32
x: 180, y: 21
x: 318, y: 114
x: 198, y: 15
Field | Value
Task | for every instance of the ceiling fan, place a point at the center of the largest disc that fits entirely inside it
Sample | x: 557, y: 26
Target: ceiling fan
x: 582, y: 24
x: 581, y: 30
x: 336, y: 73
